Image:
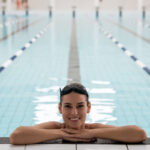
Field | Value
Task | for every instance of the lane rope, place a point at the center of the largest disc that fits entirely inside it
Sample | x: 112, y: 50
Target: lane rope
x: 125, y: 50
x: 19, y: 52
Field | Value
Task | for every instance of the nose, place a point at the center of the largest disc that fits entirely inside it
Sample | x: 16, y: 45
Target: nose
x: 74, y: 111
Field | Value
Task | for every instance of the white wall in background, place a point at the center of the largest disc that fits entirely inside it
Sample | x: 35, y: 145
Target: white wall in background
x: 114, y: 4
x: 147, y: 4
x: 61, y: 4
x: 38, y: 4
x: 86, y: 4
x: 127, y: 4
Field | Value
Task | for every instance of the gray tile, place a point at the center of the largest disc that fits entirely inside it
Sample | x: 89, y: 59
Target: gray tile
x: 51, y: 147
x: 139, y: 147
x: 11, y: 147
x: 101, y: 147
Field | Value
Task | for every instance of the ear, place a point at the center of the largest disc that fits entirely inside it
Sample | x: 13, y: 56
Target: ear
x: 89, y: 107
x: 60, y: 109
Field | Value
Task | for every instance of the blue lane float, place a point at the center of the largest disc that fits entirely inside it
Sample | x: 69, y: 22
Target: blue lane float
x: 19, y: 52
x: 127, y: 52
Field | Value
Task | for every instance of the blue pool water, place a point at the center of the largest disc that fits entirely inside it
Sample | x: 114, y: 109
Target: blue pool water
x: 119, y: 88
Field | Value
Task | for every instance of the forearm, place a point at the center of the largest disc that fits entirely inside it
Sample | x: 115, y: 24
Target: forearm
x: 30, y: 135
x: 123, y: 134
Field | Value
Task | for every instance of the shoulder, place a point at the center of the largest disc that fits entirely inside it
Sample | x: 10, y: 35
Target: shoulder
x: 49, y: 125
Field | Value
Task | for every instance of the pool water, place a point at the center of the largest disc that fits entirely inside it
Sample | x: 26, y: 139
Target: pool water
x: 29, y: 85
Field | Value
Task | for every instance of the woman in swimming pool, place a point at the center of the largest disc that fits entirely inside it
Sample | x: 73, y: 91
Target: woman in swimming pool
x: 74, y: 106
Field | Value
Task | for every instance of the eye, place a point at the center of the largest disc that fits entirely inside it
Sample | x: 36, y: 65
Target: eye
x: 67, y: 106
x: 80, y: 106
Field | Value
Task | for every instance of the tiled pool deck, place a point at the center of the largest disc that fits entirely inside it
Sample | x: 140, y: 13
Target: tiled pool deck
x: 74, y: 147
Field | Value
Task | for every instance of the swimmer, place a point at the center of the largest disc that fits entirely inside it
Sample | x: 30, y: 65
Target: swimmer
x: 73, y: 106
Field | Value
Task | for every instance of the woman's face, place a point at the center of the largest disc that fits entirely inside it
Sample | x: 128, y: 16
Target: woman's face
x: 74, y: 109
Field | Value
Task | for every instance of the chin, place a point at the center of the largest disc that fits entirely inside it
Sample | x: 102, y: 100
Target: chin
x: 75, y: 127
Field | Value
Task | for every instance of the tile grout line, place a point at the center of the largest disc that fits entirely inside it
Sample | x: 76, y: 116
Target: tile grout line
x: 76, y: 147
x: 127, y: 147
x: 19, y: 52
x: 126, y: 51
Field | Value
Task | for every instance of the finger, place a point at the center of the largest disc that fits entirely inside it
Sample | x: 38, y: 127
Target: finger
x: 79, y: 136
x: 85, y: 135
x: 71, y: 131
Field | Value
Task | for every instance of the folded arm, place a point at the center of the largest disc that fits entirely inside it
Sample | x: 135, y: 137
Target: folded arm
x: 35, y: 134
x: 30, y: 135
x: 127, y: 134
x: 55, y: 130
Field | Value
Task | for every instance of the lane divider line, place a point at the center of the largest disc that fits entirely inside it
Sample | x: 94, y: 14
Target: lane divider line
x: 19, y: 52
x: 126, y: 51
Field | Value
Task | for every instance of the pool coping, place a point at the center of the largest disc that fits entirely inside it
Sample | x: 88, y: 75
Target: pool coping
x: 5, y: 140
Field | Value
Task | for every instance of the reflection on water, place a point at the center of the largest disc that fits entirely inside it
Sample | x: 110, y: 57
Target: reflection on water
x: 102, y: 110
x: 52, y: 88
x: 101, y: 100
x: 48, y: 98
x: 46, y: 108
x: 46, y: 101
x: 46, y: 112
x: 63, y: 79
x: 100, y: 82
x: 102, y: 90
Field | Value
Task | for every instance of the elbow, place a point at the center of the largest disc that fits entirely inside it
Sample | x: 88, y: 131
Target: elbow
x: 141, y: 134
x: 15, y: 137
x: 12, y: 138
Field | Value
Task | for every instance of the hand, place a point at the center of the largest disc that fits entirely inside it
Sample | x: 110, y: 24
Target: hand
x: 83, y: 135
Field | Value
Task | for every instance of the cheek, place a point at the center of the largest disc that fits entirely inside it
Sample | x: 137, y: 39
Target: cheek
x: 83, y: 112
x: 65, y: 113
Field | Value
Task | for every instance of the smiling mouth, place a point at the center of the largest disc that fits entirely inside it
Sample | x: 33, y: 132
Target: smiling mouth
x: 74, y: 119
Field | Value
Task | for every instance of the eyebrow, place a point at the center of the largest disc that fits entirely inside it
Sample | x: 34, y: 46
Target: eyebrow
x: 77, y: 103
x: 81, y: 103
x: 67, y: 103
